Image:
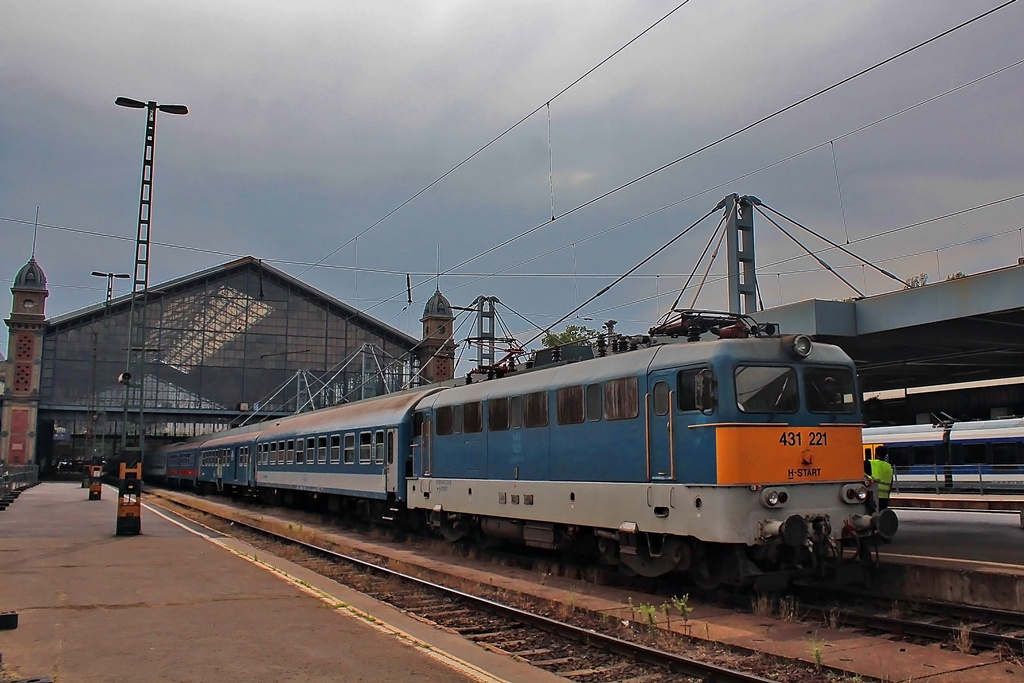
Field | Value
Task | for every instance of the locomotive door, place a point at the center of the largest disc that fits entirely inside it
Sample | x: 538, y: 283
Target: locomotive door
x: 660, y: 446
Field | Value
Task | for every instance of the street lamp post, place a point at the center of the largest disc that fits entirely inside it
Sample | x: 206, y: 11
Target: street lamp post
x: 135, y: 362
x: 110, y: 282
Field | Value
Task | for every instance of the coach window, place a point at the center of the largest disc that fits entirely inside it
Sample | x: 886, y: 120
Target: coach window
x: 310, y: 450
x: 766, y: 389
x: 350, y: 449
x: 974, y: 454
x: 291, y: 452
x: 273, y: 453
x: 569, y: 405
x: 535, y: 411
x: 300, y: 451
x: 661, y: 403
x: 321, y: 450
x: 497, y: 414
x: 378, y: 447
x: 924, y: 455
x: 457, y: 419
x: 1004, y: 453
x: 444, y: 420
x: 335, y: 449
x: 899, y: 456
x: 280, y: 452
x: 515, y: 412
x: 473, y: 417
x: 365, y: 447
x: 595, y: 402
x: 621, y: 399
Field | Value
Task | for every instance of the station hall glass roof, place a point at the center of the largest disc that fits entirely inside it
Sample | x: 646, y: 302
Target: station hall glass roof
x: 220, y: 341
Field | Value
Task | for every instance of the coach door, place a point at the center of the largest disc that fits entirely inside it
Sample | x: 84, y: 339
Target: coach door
x: 660, y: 447
x: 392, y: 466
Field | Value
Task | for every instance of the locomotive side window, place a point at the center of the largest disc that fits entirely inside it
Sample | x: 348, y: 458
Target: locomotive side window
x: 444, y: 421
x: 515, y: 412
x: 661, y: 398
x: 595, y: 402
x: 457, y: 420
x: 473, y: 417
x: 365, y: 448
x: 621, y: 399
x: 350, y: 449
x: 569, y: 405
x: 536, y: 413
x: 829, y: 390
x: 335, y: 449
x: 766, y: 389
x: 497, y: 414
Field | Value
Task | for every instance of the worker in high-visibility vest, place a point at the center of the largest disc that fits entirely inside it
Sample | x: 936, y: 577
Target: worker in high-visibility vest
x: 879, y: 469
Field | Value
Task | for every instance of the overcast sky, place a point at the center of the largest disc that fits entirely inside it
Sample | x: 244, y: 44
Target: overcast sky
x: 311, y: 120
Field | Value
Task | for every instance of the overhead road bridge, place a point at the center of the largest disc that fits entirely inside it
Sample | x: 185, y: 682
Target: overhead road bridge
x: 962, y: 330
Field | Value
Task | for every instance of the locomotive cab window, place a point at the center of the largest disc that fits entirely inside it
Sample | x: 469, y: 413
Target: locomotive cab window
x: 695, y: 390
x: 444, y: 420
x: 766, y: 389
x: 829, y: 390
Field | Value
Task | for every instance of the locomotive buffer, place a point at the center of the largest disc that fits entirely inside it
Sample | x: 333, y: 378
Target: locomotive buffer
x: 129, y: 508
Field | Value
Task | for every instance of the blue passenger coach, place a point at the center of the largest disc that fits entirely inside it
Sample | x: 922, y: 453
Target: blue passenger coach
x: 357, y: 449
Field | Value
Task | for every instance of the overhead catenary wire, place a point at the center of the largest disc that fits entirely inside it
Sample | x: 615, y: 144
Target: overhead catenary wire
x: 502, y: 134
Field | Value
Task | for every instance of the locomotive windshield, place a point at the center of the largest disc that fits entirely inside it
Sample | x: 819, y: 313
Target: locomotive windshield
x: 774, y: 389
x: 830, y: 390
x: 767, y: 389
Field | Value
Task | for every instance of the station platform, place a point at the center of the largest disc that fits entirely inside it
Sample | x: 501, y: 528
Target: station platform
x: 181, y: 604
x: 998, y: 502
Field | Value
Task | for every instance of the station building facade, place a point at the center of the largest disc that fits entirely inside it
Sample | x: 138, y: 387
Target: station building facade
x: 233, y: 344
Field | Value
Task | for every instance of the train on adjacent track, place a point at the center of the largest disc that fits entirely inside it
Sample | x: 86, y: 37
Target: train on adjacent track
x: 982, y: 455
x: 733, y: 456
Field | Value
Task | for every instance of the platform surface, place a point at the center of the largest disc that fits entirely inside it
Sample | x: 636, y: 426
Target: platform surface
x: 169, y: 605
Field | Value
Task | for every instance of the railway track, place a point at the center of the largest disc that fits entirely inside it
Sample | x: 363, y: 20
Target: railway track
x: 587, y: 652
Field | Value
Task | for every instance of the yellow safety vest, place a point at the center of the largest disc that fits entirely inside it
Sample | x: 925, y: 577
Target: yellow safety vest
x: 881, y: 472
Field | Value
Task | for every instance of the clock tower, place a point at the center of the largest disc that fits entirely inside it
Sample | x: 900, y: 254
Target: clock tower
x: 437, y: 350
x: 25, y: 349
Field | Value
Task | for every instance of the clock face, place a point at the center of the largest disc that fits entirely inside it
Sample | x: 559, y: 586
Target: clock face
x: 28, y: 304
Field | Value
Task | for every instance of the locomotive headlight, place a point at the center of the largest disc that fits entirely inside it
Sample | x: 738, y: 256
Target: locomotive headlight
x: 773, y: 498
x: 799, y: 346
x: 854, y: 494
